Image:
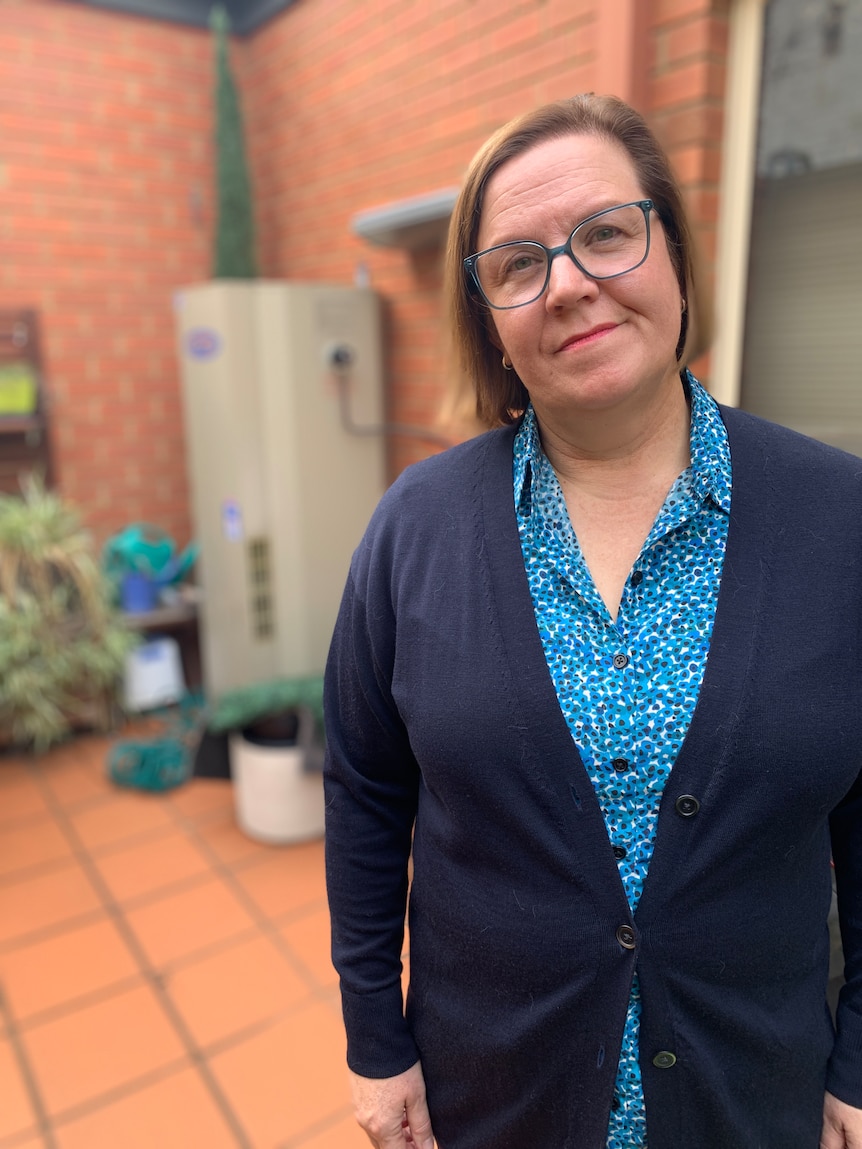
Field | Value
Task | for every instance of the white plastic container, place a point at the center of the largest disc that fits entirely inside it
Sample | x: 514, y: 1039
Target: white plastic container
x: 154, y: 675
x: 277, y: 799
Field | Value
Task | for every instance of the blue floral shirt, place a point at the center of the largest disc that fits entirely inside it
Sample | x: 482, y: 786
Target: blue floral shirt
x: 628, y: 687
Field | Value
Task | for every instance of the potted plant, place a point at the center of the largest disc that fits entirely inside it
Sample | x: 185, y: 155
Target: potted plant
x: 275, y: 747
x: 62, y: 645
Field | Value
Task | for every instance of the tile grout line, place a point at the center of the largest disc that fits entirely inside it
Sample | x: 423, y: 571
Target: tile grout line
x: 270, y: 930
x: 263, y: 923
x: 56, y: 1012
x: 53, y: 930
x: 117, y: 1093
x: 330, y: 1122
x: 30, y: 1082
x: 151, y: 975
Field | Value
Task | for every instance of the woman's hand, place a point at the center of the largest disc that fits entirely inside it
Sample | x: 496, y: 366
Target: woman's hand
x: 842, y: 1125
x: 393, y: 1111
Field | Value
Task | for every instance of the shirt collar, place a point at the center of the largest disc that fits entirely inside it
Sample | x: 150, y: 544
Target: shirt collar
x: 709, y: 450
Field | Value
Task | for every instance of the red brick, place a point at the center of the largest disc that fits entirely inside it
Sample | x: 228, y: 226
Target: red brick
x: 664, y: 11
x: 696, y: 81
x: 704, y: 35
x: 107, y: 133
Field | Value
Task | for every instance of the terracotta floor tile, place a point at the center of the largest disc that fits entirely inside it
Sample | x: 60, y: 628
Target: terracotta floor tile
x: 31, y: 841
x: 288, y: 879
x: 72, y: 784
x: 16, y: 1112
x: 288, y: 1079
x: 75, y: 771
x: 287, y: 1083
x: 86, y: 1053
x: 20, y: 795
x: 309, y: 938
x: 46, y: 900
x: 60, y: 969
x: 228, y: 842
x: 235, y: 988
x: 121, y: 815
x: 200, y: 798
x: 344, y: 1134
x: 176, y: 1113
x: 183, y: 923
x: 151, y: 865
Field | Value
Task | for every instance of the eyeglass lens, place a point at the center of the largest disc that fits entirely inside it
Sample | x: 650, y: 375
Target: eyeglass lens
x: 612, y: 243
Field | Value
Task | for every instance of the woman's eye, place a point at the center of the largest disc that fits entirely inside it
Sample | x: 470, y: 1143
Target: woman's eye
x: 604, y: 234
x: 522, y: 262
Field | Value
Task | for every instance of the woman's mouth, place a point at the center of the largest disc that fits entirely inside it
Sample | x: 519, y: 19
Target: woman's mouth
x: 585, y: 337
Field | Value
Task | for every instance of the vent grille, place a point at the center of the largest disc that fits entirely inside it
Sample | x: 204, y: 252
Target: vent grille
x: 262, y: 605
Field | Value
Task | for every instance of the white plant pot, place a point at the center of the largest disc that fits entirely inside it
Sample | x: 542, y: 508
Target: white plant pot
x: 277, y: 799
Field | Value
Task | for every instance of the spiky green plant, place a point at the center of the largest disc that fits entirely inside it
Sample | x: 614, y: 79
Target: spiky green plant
x: 62, y: 646
x: 234, y: 235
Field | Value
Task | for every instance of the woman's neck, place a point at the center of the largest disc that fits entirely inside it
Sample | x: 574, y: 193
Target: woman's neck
x: 607, y: 453
x: 614, y: 474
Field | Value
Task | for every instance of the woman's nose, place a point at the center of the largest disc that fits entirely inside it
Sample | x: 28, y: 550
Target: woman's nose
x: 567, y: 283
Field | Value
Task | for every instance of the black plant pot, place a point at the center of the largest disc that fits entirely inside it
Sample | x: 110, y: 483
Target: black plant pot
x: 281, y: 729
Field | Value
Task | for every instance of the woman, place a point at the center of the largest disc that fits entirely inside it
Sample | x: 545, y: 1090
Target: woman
x: 601, y: 667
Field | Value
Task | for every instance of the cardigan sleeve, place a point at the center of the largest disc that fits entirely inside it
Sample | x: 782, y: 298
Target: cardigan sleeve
x: 371, y: 781
x: 845, y: 1067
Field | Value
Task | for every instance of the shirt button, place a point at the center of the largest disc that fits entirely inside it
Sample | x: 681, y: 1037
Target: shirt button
x: 615, y: 1104
x: 664, y: 1060
x: 620, y: 661
x: 620, y: 765
x: 620, y: 852
x: 687, y: 805
x: 637, y: 578
x: 626, y: 937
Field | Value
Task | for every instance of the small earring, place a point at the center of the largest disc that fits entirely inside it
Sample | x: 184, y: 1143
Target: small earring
x: 684, y: 305
x: 507, y: 363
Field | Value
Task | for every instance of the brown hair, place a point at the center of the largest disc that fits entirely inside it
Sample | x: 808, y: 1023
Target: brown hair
x: 500, y: 394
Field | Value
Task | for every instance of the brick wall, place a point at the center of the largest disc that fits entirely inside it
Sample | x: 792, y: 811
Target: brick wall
x: 106, y: 197
x: 105, y: 161
x: 351, y: 105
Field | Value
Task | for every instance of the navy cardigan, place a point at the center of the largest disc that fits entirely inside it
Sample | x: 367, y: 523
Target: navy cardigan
x: 444, y: 731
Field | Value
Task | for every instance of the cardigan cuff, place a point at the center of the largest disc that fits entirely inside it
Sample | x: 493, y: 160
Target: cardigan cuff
x: 379, y: 1042
x: 844, y: 1079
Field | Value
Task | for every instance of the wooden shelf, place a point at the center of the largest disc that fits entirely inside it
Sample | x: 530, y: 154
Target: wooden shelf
x: 25, y: 446
x: 162, y: 616
x: 21, y: 424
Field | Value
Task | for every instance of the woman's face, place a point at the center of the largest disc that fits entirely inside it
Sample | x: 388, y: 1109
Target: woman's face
x: 585, y: 344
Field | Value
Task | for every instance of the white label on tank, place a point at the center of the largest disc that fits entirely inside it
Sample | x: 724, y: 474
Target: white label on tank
x: 231, y: 521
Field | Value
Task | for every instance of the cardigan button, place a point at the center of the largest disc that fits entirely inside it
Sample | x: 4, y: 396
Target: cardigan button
x: 626, y: 937
x: 687, y: 805
x: 620, y: 661
x: 664, y: 1060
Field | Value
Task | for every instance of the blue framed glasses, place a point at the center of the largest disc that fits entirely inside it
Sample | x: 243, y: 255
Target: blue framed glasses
x: 606, y: 244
